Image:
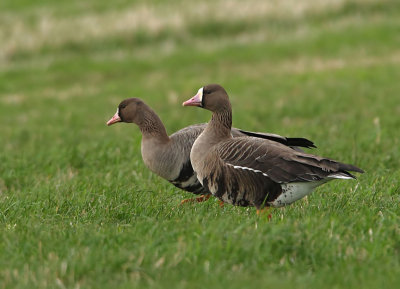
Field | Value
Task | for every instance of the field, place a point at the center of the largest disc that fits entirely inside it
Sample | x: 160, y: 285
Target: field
x: 78, y: 208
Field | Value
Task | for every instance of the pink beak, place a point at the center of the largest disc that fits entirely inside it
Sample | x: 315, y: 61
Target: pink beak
x: 114, y: 119
x: 194, y: 101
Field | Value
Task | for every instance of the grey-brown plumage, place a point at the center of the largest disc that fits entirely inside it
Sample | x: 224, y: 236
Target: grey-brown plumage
x: 248, y: 171
x: 169, y: 156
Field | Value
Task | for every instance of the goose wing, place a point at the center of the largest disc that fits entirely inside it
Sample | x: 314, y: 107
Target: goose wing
x: 278, y: 162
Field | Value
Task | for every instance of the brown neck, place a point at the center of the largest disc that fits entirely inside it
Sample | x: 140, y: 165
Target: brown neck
x: 221, y: 123
x: 151, y: 125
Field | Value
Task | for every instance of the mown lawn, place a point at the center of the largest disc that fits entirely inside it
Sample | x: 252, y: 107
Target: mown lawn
x: 78, y: 209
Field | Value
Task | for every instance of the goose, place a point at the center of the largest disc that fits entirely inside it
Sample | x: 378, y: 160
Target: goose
x: 168, y: 156
x: 249, y: 171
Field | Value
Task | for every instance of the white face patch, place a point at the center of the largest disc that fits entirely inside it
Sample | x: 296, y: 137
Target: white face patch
x: 200, y: 94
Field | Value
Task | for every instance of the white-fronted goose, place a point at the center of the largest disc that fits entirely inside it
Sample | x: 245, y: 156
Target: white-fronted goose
x: 169, y: 156
x: 248, y: 171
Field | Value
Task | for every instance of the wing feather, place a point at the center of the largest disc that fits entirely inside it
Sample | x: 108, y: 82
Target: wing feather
x: 280, y: 163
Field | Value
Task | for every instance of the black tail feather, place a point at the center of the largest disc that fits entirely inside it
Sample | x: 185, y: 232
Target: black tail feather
x: 348, y: 167
x: 289, y: 141
x: 300, y: 142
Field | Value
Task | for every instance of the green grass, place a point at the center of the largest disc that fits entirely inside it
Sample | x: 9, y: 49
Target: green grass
x: 78, y: 209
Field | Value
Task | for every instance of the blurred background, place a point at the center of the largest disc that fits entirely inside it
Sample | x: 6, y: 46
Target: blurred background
x: 307, y: 68
x: 325, y: 70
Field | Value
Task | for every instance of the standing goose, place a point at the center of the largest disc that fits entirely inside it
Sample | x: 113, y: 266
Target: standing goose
x: 249, y: 171
x: 169, y: 156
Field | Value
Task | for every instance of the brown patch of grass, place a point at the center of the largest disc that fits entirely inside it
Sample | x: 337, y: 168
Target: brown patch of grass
x: 48, y: 30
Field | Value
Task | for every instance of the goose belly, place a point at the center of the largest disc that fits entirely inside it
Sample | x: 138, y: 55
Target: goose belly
x: 229, y: 193
x: 190, y: 185
x: 293, y: 192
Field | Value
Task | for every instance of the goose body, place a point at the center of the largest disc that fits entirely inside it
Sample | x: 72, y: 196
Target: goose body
x: 169, y: 156
x: 249, y: 171
x: 171, y: 160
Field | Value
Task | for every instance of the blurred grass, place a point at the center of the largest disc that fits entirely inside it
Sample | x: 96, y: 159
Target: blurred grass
x: 78, y: 209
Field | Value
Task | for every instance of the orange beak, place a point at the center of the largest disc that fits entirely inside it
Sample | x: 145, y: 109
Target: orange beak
x: 114, y: 119
x: 194, y: 101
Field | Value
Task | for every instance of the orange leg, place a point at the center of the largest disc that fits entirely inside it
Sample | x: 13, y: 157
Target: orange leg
x: 200, y: 199
x: 261, y: 212
x: 221, y: 204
